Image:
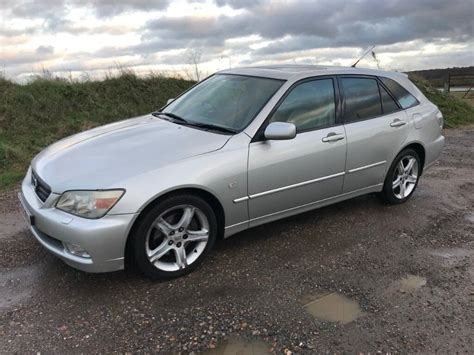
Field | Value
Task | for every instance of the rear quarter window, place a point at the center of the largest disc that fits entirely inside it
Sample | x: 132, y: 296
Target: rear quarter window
x: 404, y: 98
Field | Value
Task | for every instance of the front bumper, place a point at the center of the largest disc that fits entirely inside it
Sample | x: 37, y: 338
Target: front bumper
x: 104, y: 238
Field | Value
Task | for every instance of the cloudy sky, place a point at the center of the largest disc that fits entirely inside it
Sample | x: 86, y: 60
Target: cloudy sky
x: 91, y: 37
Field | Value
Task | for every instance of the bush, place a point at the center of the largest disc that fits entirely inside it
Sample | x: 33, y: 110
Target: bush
x: 455, y: 111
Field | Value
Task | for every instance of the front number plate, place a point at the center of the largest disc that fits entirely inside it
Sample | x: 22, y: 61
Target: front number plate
x: 29, y: 218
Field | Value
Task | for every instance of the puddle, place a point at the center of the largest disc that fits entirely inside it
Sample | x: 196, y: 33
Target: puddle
x: 452, y: 257
x: 469, y: 217
x: 407, y: 284
x: 454, y: 253
x: 333, y: 307
x: 237, y: 346
x: 412, y: 282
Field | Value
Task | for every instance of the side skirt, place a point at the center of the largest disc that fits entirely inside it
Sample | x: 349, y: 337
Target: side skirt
x: 235, y: 228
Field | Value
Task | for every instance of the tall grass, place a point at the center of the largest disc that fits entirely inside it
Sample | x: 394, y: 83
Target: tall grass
x: 35, y: 115
x: 456, y: 112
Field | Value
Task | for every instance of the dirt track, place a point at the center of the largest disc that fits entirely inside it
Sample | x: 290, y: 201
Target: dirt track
x: 407, y: 270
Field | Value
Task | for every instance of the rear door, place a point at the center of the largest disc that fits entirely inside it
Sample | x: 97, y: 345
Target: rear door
x: 376, y: 128
x: 288, y: 174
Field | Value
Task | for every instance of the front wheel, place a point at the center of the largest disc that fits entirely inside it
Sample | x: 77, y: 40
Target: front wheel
x: 174, y: 236
x: 402, y: 177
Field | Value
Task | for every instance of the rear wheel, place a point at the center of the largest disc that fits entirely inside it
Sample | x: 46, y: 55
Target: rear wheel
x: 402, y: 177
x: 173, y: 237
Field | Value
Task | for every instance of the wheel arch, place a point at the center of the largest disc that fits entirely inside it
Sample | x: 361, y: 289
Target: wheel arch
x: 419, y: 149
x: 196, y: 191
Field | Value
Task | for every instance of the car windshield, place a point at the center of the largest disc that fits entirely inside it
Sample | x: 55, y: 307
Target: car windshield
x: 224, y: 101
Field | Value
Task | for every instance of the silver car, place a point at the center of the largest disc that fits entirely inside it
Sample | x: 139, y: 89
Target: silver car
x: 243, y: 147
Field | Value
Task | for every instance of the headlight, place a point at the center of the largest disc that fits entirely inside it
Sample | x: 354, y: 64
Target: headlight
x: 89, y: 204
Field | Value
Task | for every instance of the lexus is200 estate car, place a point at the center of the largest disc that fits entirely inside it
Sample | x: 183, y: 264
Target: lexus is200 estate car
x: 241, y: 148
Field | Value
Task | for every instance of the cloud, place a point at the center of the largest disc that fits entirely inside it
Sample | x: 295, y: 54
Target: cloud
x: 45, y: 50
x: 41, y: 54
x: 332, y: 23
x: 239, y: 4
x: 109, y: 8
x: 33, y: 8
x: 98, y: 33
x: 57, y: 8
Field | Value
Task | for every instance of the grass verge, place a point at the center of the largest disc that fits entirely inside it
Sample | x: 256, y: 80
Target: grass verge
x: 39, y: 113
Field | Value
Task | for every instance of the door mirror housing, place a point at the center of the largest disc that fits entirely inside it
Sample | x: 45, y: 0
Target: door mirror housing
x: 170, y: 101
x: 280, y: 131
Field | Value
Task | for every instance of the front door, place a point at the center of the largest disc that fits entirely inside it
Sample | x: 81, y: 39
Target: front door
x: 288, y: 174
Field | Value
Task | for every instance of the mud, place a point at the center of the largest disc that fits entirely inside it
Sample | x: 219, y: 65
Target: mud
x: 406, y: 272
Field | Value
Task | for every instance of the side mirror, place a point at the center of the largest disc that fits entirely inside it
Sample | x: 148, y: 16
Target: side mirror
x: 280, y: 131
x: 170, y: 101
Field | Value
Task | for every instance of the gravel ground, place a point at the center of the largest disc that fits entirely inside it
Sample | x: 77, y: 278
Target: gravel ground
x: 251, y: 291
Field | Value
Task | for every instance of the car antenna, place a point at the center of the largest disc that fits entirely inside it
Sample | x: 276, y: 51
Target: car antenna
x: 358, y: 60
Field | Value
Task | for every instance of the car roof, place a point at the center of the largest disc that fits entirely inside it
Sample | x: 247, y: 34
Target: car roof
x: 296, y: 71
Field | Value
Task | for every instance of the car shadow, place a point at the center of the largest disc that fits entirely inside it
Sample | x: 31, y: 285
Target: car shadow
x: 228, y: 253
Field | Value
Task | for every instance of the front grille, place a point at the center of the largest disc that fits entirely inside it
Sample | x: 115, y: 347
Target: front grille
x: 41, y: 188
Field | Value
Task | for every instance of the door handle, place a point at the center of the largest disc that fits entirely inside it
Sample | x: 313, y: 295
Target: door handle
x: 397, y: 123
x: 333, y: 137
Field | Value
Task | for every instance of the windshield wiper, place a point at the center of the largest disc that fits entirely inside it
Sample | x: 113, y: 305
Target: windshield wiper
x: 171, y: 115
x: 213, y: 127
x: 180, y: 120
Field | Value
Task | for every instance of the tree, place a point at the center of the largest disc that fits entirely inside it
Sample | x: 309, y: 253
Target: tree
x: 193, y: 57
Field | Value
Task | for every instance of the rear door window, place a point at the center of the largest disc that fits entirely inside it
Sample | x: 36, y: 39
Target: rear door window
x: 362, y: 98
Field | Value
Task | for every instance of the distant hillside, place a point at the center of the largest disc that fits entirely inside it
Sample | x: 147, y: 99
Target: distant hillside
x: 436, y: 77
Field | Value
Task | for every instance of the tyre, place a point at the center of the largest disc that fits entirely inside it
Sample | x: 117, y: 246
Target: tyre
x: 174, y: 236
x: 402, y: 177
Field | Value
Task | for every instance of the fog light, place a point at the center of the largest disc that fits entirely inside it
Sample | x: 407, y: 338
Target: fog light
x: 77, y: 250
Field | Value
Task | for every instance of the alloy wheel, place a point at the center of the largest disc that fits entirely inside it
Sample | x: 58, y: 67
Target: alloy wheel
x: 177, y: 238
x: 405, y: 177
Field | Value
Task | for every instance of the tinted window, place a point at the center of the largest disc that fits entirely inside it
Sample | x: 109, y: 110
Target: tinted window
x: 405, y: 99
x: 309, y: 105
x: 362, y: 99
x: 388, y: 104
